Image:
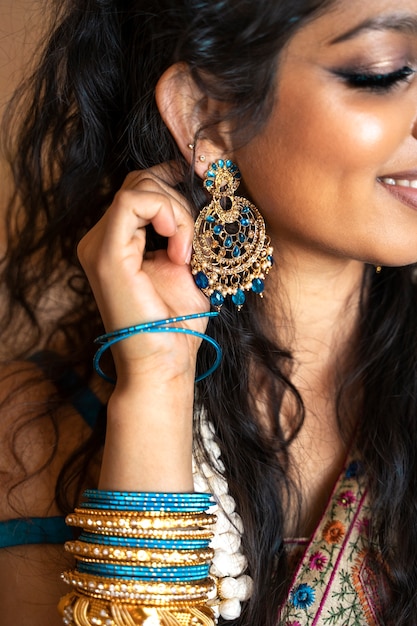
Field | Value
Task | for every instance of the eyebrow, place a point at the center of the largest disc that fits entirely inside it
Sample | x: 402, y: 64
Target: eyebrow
x: 406, y: 24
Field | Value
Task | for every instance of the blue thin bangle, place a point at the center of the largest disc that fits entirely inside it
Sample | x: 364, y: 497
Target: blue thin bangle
x: 159, y: 544
x: 159, y: 326
x: 146, y: 501
x: 138, y: 572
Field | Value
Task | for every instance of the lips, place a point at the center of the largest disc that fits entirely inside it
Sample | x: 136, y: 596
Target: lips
x: 403, y: 186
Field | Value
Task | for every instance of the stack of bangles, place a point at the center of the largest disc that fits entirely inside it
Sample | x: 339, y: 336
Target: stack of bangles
x: 142, y: 558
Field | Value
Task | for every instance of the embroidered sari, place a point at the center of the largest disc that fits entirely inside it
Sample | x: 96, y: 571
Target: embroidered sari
x: 338, y: 580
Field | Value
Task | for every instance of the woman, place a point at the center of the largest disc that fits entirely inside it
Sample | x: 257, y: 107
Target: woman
x: 311, y: 415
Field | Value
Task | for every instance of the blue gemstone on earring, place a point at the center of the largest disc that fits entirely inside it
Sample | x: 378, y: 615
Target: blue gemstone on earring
x: 242, y: 238
x: 216, y: 299
x: 258, y: 285
x: 201, y: 280
x: 211, y: 174
x: 228, y: 242
x: 245, y: 221
x: 229, y: 163
x: 210, y: 219
x: 238, y: 298
x: 270, y: 258
x: 220, y: 163
x: 208, y: 183
x: 217, y: 229
x: 213, y: 166
x: 236, y: 252
x: 246, y: 209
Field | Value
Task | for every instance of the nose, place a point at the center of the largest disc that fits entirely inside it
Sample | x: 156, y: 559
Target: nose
x: 414, y: 126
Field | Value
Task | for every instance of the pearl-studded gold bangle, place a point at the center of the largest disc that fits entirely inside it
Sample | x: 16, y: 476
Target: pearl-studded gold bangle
x: 137, y: 591
x: 96, y: 552
x: 127, y: 523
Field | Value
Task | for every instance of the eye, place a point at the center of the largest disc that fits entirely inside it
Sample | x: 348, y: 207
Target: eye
x: 376, y: 81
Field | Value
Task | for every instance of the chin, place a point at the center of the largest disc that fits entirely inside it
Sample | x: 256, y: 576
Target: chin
x: 390, y: 254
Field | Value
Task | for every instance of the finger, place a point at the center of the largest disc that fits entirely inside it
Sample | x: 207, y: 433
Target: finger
x: 160, y: 179
x: 166, y: 175
x: 147, y: 204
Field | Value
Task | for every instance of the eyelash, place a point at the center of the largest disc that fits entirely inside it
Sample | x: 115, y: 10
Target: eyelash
x: 377, y: 82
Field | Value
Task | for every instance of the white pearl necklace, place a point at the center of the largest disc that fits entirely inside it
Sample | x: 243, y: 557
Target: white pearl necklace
x: 229, y: 563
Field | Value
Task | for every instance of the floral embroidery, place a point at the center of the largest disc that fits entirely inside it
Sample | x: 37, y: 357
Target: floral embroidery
x: 302, y: 596
x: 363, y: 526
x: 317, y: 561
x: 368, y: 578
x: 331, y: 585
x: 333, y: 532
x: 346, y: 498
x: 354, y: 469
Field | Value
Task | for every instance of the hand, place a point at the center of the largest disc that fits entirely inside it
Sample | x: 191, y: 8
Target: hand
x: 133, y: 287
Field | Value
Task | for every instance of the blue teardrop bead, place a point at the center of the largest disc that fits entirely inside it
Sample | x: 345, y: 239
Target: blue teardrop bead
x: 208, y: 183
x: 201, y: 280
x: 236, y: 252
x: 220, y: 163
x: 258, y: 285
x: 242, y: 238
x: 228, y: 242
x: 245, y: 209
x: 270, y: 259
x: 229, y: 163
x: 217, y: 229
x: 211, y: 174
x: 245, y: 221
x: 216, y: 299
x: 210, y: 219
x: 213, y: 166
x: 238, y: 298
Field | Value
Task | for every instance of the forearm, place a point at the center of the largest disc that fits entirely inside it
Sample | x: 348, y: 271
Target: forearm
x: 149, y: 436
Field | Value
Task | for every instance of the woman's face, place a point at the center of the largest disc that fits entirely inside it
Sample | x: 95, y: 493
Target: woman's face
x: 334, y: 170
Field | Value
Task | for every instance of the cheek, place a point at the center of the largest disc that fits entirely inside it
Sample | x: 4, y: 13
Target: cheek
x: 332, y: 138
x: 337, y: 145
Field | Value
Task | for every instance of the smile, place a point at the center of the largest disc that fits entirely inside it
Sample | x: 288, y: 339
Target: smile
x: 400, y: 183
x: 403, y: 189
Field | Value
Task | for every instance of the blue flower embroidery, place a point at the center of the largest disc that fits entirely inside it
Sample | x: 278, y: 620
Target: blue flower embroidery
x: 354, y: 469
x: 302, y: 596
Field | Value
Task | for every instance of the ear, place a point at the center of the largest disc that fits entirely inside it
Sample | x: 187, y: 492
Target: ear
x: 185, y: 110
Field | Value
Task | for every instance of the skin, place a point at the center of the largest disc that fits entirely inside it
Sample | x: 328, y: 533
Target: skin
x: 313, y: 171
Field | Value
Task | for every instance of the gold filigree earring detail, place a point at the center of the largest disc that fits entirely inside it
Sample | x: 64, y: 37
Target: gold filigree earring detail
x: 232, y: 253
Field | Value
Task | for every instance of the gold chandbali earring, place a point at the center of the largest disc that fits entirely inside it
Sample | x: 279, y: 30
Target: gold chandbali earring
x: 232, y: 253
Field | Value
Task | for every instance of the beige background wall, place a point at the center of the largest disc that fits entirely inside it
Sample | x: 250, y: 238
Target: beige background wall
x: 21, y: 23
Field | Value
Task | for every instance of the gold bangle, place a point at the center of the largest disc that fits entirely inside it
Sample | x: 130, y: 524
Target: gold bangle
x: 79, y: 610
x: 95, y: 521
x: 134, y: 590
x: 176, y: 533
x: 91, y: 552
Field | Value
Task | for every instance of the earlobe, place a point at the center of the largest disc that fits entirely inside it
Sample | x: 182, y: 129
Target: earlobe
x: 181, y: 106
